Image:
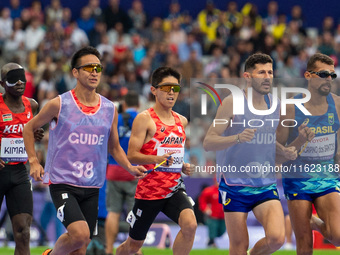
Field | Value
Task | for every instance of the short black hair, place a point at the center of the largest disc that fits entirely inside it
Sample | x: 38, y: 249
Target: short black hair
x: 132, y: 99
x: 319, y: 57
x: 257, y: 58
x: 87, y: 50
x: 162, y: 72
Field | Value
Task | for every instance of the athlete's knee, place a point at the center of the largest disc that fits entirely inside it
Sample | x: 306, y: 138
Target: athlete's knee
x: 80, y: 238
x: 275, y: 241
x: 21, y: 228
x: 189, y: 228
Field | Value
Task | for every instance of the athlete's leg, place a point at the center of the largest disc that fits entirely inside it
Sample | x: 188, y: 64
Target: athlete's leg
x: 270, y: 215
x: 140, y: 219
x: 236, y: 225
x: 328, y: 209
x: 111, y: 230
x: 129, y: 247
x: 21, y: 230
x: 74, y: 240
x: 19, y: 201
x: 185, y: 237
x: 300, y: 212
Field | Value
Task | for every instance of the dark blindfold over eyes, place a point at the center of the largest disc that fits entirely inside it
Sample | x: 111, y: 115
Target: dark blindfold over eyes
x: 16, y: 75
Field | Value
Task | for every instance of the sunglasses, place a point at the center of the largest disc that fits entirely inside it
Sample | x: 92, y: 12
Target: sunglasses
x: 325, y: 74
x: 91, y: 67
x: 169, y: 87
x: 13, y: 84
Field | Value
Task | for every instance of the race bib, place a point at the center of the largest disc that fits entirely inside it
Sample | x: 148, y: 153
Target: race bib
x: 13, y: 150
x: 178, y: 156
x: 321, y: 148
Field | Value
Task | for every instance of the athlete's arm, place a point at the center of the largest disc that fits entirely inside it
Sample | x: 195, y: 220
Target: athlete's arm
x: 282, y: 134
x: 187, y: 168
x: 337, y: 153
x: 214, y: 141
x: 118, y: 153
x: 39, y: 133
x: 142, y: 131
x: 47, y: 113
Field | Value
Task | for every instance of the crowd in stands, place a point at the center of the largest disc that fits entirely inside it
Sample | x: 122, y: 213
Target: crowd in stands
x: 214, y: 44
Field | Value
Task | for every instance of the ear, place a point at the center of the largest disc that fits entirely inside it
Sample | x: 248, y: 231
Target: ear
x: 153, y: 90
x: 307, y: 75
x: 75, y: 72
x: 247, y: 76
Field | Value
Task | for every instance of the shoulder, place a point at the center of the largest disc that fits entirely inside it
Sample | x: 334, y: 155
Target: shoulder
x: 34, y: 104
x: 336, y: 99
x: 183, y: 119
x: 143, y: 116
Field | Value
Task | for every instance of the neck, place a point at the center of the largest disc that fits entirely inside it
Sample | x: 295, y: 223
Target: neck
x: 85, y: 96
x: 162, y: 111
x: 13, y: 100
x: 258, y: 99
x: 317, y: 99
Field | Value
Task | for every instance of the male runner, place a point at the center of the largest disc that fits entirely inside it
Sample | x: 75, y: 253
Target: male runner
x: 244, y: 147
x: 83, y: 129
x: 121, y: 186
x: 315, y: 178
x: 15, y: 111
x: 158, y: 137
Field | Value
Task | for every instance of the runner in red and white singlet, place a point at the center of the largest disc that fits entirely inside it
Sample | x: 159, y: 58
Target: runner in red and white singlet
x: 157, y: 142
x: 163, y: 181
x: 15, y: 111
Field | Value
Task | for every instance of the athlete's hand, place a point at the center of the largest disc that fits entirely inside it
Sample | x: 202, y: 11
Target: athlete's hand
x: 39, y: 134
x: 305, y: 133
x: 138, y: 171
x: 36, y: 171
x: 247, y: 135
x: 167, y: 158
x: 290, y: 153
x: 188, y: 169
x: 2, y: 164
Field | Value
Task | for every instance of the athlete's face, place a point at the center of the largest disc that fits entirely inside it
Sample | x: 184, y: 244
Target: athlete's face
x: 322, y: 86
x: 166, y: 98
x: 262, y: 78
x: 17, y: 90
x: 89, y: 71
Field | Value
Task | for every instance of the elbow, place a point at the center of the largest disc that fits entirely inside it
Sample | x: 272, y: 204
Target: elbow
x: 207, y: 145
x: 131, y: 158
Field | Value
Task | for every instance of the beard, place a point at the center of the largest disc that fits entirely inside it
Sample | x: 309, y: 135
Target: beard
x: 256, y: 85
x: 324, y: 93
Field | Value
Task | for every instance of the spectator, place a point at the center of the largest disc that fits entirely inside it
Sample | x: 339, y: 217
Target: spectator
x: 233, y: 16
x: 213, y: 210
x: 6, y: 24
x: 15, y: 8
x: 15, y: 44
x: 114, y: 14
x: 36, y: 11
x: 34, y: 35
x: 97, y: 33
x: 207, y: 20
x: 54, y: 12
x: 96, y: 10
x: 137, y: 15
x: 86, y: 22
